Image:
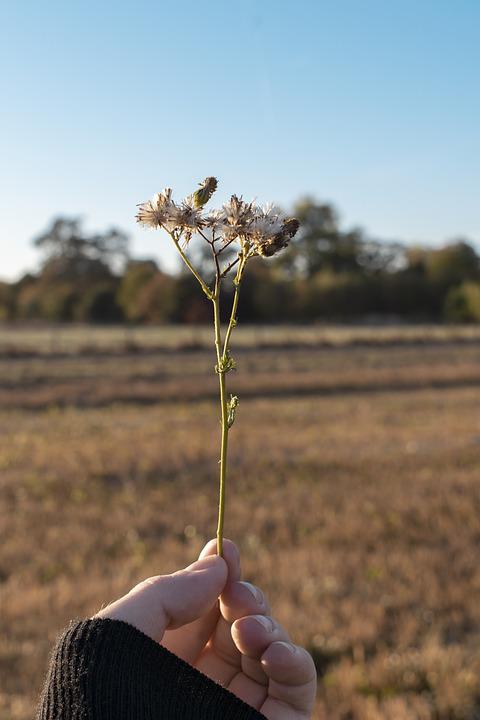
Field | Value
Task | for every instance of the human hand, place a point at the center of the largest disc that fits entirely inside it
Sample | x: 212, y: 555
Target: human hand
x: 222, y: 626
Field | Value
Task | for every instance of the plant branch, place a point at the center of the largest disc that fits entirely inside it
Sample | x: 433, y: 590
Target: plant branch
x: 187, y: 262
x: 230, y: 266
x: 225, y: 246
x: 210, y: 242
x: 224, y: 361
x: 224, y: 410
x: 233, y: 315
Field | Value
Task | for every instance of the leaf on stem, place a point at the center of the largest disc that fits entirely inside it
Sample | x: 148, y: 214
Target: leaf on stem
x: 226, y: 364
x: 232, y: 405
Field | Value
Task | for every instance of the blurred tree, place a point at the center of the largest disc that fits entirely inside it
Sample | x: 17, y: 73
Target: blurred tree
x: 138, y: 274
x: 40, y: 300
x: 439, y: 270
x: 325, y: 273
x: 156, y: 300
x: 7, y: 301
x: 57, y: 301
x: 28, y: 304
x: 99, y: 304
x: 415, y: 259
x: 452, y: 264
x: 333, y: 295
x: 190, y: 305
x: 462, y: 303
x: 319, y: 244
x: 264, y: 290
x: 376, y: 257
x: 71, y: 254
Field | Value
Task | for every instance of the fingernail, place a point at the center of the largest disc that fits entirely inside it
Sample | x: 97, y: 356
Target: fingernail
x: 291, y: 648
x: 256, y: 592
x: 266, y: 622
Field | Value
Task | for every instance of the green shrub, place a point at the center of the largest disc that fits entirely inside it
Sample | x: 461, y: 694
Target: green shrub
x: 156, y: 300
x: 462, y: 303
x: 137, y: 276
x: 57, y: 302
x: 99, y: 304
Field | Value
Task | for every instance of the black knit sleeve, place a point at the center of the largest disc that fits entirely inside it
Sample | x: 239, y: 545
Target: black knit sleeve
x: 109, y: 670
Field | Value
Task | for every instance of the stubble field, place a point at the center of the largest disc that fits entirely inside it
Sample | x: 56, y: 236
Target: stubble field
x: 354, y: 495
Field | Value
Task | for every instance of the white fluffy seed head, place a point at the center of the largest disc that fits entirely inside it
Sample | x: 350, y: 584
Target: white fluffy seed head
x: 264, y: 228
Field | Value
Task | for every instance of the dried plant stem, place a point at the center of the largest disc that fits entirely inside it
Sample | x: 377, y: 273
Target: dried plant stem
x: 222, y: 369
x: 225, y: 428
x: 224, y: 363
x: 233, y: 315
x: 257, y: 232
x: 187, y: 262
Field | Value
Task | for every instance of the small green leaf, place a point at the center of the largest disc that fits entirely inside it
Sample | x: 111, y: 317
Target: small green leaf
x: 232, y: 405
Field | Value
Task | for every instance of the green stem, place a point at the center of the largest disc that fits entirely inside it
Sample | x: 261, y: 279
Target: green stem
x: 233, y: 314
x: 223, y: 404
x: 187, y: 262
x: 222, y: 356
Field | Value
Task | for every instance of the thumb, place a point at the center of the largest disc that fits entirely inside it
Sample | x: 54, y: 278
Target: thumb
x: 166, y: 602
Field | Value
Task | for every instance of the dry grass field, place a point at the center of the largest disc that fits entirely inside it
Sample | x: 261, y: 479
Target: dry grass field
x: 354, y: 495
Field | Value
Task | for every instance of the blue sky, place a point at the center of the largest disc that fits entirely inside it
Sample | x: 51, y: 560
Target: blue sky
x: 374, y: 105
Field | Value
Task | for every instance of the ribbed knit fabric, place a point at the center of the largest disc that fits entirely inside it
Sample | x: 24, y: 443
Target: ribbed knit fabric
x: 109, y: 670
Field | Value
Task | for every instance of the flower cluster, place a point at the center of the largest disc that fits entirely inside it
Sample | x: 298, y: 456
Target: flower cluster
x: 162, y: 211
x: 263, y: 230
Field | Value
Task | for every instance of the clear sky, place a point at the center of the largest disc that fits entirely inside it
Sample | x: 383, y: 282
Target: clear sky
x: 372, y: 104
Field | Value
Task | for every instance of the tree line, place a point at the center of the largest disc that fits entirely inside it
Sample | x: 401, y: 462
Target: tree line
x: 326, y: 274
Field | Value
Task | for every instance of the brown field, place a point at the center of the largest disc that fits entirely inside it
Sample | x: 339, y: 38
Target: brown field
x: 354, y: 495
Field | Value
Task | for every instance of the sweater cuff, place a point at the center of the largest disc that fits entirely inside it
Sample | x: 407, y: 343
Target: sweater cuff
x: 108, y: 670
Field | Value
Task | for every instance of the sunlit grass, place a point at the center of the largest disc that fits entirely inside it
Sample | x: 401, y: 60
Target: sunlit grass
x: 358, y: 512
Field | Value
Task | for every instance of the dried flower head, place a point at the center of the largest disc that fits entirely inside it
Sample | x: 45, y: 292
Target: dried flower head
x: 215, y: 220
x: 214, y: 225
x: 262, y: 229
x: 266, y: 223
x: 270, y: 245
x: 238, y: 217
x: 290, y: 227
x: 270, y: 231
x: 156, y: 212
x: 186, y: 218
